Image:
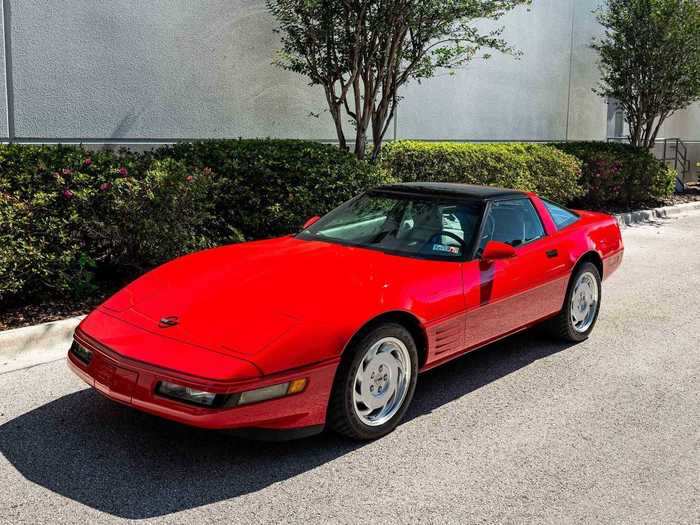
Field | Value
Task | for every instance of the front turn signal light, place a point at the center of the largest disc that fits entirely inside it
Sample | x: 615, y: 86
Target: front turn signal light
x: 272, y: 392
x: 296, y: 386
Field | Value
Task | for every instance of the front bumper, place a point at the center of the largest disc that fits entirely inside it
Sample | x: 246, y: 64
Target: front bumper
x: 134, y: 383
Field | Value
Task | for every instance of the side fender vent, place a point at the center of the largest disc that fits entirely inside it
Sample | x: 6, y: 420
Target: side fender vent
x: 448, y: 337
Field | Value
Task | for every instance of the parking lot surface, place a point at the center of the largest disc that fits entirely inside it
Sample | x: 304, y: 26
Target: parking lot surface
x: 525, y: 430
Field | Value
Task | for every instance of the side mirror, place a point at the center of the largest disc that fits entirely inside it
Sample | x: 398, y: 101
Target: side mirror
x: 310, y: 221
x: 496, y: 251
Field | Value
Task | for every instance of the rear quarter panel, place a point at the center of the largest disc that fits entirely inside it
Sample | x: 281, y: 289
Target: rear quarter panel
x: 598, y: 232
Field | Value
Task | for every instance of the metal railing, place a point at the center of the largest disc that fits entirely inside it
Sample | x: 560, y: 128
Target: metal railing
x: 679, y: 156
x: 674, y: 151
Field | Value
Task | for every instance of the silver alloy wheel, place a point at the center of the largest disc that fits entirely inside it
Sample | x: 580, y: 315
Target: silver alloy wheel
x: 381, y: 381
x: 584, y: 302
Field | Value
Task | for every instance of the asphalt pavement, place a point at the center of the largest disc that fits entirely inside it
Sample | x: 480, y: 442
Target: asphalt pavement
x: 526, y: 430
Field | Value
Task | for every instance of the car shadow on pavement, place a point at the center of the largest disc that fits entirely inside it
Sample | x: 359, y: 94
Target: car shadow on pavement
x: 132, y: 465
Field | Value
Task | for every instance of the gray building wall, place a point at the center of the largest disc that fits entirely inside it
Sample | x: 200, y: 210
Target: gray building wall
x: 159, y: 70
x: 156, y: 69
x: 545, y: 95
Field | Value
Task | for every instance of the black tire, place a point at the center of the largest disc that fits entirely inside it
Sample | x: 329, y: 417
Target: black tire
x: 562, y: 326
x: 342, y: 417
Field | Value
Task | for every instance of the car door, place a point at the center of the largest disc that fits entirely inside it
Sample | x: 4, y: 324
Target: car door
x: 502, y: 296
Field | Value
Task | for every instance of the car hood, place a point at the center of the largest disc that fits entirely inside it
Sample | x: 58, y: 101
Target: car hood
x: 241, y: 298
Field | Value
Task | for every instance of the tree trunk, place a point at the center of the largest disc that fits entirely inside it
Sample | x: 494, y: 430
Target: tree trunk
x: 380, y: 125
x: 647, y: 139
x: 360, y: 142
x: 342, y: 143
x: 335, y: 111
x: 377, y: 140
x: 337, y: 120
x: 655, y: 134
x: 635, y: 131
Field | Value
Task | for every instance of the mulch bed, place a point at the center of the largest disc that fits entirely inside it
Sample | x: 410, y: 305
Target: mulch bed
x: 27, y: 315
x: 691, y: 194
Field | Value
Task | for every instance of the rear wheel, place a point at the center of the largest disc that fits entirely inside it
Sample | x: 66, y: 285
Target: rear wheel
x: 577, y: 318
x: 374, y: 384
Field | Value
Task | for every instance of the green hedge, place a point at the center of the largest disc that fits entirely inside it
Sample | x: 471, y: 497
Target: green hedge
x: 529, y: 167
x: 74, y: 221
x: 619, y: 175
x: 269, y: 187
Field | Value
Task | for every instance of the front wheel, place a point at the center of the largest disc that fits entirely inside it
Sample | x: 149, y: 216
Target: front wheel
x: 578, y: 316
x: 374, y: 384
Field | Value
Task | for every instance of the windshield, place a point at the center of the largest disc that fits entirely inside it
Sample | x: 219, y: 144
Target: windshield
x: 404, y: 224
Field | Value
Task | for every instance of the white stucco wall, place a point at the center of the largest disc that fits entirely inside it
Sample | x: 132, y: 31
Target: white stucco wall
x: 684, y: 124
x: 153, y: 69
x: 169, y: 69
x: 528, y: 98
x: 588, y: 111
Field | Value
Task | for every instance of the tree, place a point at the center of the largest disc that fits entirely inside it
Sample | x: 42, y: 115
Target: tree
x: 649, y: 61
x: 363, y: 51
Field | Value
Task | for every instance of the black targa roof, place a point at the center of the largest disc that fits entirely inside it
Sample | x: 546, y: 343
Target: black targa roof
x: 452, y: 189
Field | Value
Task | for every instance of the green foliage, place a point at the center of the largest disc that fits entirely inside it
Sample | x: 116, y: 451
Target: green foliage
x: 650, y: 60
x: 162, y: 214
x: 17, y: 252
x: 529, y: 167
x: 73, y: 221
x: 619, y: 175
x: 270, y: 187
x: 363, y: 52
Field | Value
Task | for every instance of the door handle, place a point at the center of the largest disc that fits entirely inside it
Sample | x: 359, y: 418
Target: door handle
x: 552, y: 253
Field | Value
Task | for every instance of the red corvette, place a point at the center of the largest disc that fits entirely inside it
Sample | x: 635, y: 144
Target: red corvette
x: 331, y: 326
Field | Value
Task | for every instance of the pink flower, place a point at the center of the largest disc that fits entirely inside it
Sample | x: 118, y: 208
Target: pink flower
x: 123, y: 172
x: 67, y: 194
x: 105, y: 186
x: 87, y: 162
x: 189, y: 178
x: 66, y: 171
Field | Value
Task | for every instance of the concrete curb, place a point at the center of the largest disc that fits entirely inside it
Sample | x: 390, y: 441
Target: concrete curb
x: 644, y: 216
x: 22, y: 347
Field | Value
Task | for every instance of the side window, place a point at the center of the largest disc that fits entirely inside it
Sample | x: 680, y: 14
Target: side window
x: 560, y: 215
x: 513, y: 222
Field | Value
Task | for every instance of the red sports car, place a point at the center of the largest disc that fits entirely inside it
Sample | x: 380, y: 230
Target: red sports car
x: 331, y: 327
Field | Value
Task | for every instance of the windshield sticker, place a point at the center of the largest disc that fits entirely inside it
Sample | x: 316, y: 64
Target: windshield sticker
x: 453, y: 250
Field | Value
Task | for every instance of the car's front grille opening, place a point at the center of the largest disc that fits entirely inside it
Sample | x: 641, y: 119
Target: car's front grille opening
x: 83, y: 354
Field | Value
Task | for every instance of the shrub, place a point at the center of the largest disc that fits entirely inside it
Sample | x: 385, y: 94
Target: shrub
x: 71, y: 220
x: 43, y: 217
x: 17, y: 252
x: 528, y: 167
x: 617, y: 175
x: 163, y: 213
x: 270, y: 187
